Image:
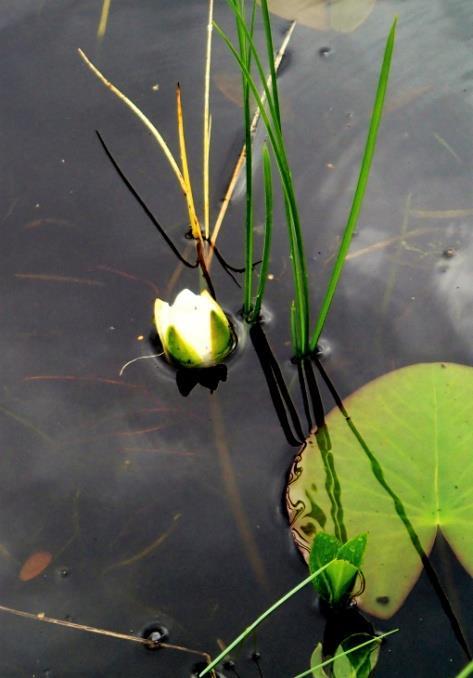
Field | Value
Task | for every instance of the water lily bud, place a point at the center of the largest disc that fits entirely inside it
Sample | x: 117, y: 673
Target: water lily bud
x: 194, y: 331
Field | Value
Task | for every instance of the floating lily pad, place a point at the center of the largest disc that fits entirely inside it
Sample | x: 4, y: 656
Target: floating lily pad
x: 418, y: 422
x: 342, y: 15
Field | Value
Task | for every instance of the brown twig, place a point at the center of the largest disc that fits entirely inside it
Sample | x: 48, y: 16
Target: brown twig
x: 102, y: 632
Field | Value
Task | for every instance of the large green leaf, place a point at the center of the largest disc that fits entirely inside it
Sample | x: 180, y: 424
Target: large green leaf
x: 418, y: 422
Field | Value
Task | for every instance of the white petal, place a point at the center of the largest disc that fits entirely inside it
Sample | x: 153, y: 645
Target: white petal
x: 190, y: 315
x: 161, y: 318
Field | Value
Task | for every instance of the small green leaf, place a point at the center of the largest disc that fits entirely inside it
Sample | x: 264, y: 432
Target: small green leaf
x: 360, y: 662
x: 324, y: 549
x: 353, y: 550
x: 336, y: 583
x: 315, y: 659
x: 350, y: 646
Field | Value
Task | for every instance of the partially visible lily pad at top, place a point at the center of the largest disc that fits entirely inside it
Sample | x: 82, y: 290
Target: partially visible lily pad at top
x: 418, y: 423
x: 324, y: 15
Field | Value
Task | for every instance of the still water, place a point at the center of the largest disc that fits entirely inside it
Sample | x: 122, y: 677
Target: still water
x: 123, y: 503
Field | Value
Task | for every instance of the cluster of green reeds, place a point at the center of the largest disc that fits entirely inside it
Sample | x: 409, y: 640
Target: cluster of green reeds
x: 264, y: 92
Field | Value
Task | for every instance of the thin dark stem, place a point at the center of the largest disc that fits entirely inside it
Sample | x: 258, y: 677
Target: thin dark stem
x: 287, y: 397
x: 142, y: 203
x: 304, y: 394
x: 199, y: 245
x: 260, y: 670
x: 224, y: 263
x: 316, y: 400
x: 277, y: 387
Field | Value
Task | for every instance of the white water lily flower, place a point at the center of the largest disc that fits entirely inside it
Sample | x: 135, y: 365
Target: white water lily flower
x: 194, y: 330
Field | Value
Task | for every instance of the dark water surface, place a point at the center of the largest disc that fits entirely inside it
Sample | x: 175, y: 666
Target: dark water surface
x: 156, y: 507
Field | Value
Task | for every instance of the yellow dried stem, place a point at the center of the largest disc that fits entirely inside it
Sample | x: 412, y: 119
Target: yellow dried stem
x: 195, y: 226
x: 141, y: 116
x: 102, y: 27
x: 207, y: 122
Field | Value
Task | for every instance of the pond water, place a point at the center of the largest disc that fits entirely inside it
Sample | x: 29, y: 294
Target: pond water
x: 147, y: 506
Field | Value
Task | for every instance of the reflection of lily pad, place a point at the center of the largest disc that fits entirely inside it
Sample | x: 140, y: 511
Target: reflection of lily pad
x: 418, y: 422
x: 340, y: 15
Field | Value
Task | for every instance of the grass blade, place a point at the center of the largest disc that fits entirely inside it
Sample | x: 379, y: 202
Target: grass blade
x: 467, y: 671
x: 343, y: 654
x: 241, y: 158
x: 268, y: 231
x: 360, y: 188
x: 194, y: 222
x: 298, y: 261
x: 270, y: 51
x: 260, y: 619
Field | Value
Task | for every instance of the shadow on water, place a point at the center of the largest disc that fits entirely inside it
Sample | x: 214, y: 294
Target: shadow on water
x: 166, y: 509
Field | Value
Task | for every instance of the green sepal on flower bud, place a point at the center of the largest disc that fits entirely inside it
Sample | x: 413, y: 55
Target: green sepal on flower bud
x: 194, y: 331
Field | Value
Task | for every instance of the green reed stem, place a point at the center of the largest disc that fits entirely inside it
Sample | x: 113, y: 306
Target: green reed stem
x: 245, y: 54
x: 345, y: 653
x: 268, y: 231
x: 249, y: 629
x: 360, y: 191
x: 270, y: 52
x: 271, y: 119
x: 466, y: 672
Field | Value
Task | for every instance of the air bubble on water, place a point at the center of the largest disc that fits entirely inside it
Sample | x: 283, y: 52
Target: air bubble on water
x: 155, y: 633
